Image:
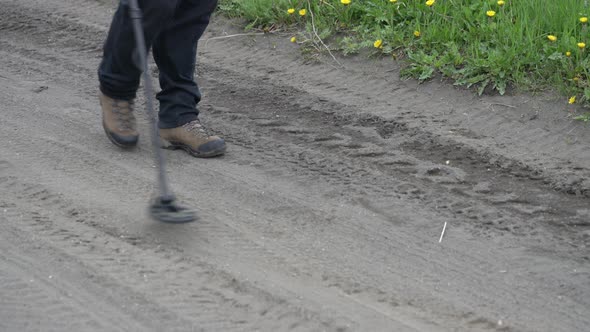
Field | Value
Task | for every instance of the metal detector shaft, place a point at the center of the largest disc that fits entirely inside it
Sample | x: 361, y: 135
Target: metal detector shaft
x: 136, y: 18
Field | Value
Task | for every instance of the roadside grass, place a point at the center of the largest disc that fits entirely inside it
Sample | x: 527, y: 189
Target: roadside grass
x: 527, y: 44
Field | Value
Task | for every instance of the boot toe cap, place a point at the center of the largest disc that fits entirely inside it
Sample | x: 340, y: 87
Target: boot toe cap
x: 124, y: 140
x: 212, y: 148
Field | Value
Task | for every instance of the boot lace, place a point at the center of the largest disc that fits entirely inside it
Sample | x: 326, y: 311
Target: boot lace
x: 123, y: 111
x: 196, y: 127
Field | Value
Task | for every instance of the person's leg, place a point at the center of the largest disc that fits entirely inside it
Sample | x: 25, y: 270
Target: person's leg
x: 175, y: 53
x: 119, y: 73
x: 119, y: 70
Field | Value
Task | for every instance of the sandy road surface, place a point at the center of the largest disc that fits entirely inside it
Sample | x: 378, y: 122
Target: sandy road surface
x: 324, y: 215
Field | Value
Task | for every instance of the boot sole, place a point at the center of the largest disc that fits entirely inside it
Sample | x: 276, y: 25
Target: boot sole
x: 179, y: 146
x: 114, y: 141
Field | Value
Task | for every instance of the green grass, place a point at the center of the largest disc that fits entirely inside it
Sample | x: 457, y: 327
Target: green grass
x: 457, y: 39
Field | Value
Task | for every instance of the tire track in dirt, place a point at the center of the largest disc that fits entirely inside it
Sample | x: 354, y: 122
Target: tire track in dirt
x: 85, y: 160
x: 32, y: 301
x: 56, y: 288
x: 354, y: 157
x: 182, y: 291
x: 409, y: 104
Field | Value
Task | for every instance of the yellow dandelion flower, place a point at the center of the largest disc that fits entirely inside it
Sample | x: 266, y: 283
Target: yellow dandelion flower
x: 581, y: 45
x: 345, y: 2
x: 291, y: 10
x: 393, y: 1
x: 552, y: 38
x: 572, y: 100
x: 584, y: 19
x: 429, y: 3
x: 378, y: 43
x: 577, y: 78
x: 491, y: 13
x: 417, y: 33
x: 568, y: 53
x: 302, y: 12
x: 501, y: 3
x: 293, y: 39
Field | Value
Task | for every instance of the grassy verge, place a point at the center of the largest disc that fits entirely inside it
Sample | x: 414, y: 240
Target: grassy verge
x: 530, y: 44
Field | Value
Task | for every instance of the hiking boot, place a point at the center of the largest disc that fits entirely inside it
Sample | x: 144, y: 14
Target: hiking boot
x: 118, y: 121
x: 194, y: 139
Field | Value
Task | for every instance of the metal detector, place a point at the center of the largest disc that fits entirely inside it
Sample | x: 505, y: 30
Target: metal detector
x: 163, y: 208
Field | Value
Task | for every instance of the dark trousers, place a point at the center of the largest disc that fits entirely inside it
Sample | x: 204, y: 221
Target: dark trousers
x: 172, y: 29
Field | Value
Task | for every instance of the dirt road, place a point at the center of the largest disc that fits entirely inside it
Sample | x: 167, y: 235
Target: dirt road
x: 325, y: 214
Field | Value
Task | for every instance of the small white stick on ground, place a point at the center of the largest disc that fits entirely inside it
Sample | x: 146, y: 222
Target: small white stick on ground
x: 443, y: 232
